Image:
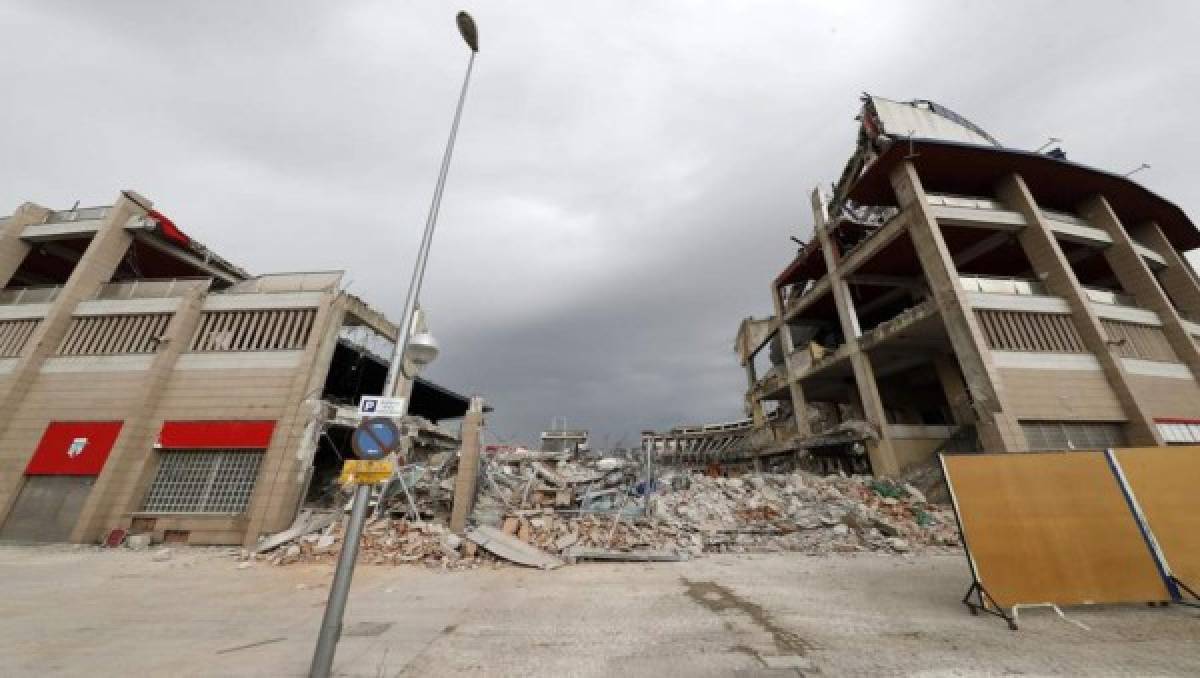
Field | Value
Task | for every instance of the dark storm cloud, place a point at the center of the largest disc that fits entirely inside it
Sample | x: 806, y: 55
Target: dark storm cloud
x: 627, y: 173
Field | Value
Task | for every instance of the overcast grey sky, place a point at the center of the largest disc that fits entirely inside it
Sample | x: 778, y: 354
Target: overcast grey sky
x: 627, y: 174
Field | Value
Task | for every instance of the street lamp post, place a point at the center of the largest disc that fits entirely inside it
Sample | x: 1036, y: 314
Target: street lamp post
x: 421, y: 351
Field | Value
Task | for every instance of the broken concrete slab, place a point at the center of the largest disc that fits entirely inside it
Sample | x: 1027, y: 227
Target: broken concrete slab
x: 307, y: 522
x: 512, y: 549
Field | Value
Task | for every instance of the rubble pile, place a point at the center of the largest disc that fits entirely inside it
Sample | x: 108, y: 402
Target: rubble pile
x: 575, y: 510
x: 807, y: 513
x: 385, y: 542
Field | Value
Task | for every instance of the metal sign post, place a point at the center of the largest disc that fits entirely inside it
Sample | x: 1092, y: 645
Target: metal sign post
x: 331, y: 623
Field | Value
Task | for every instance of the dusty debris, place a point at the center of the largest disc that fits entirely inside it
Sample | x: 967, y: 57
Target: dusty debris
x: 307, y: 522
x: 634, y: 555
x: 512, y: 549
x: 520, y: 517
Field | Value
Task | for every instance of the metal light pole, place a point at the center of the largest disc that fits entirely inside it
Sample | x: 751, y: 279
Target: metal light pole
x: 331, y: 623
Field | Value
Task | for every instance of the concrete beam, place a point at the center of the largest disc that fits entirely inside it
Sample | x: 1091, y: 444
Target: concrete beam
x: 883, y: 456
x: 1051, y: 265
x: 468, y: 466
x: 1178, y: 278
x: 998, y: 431
x: 1135, y: 276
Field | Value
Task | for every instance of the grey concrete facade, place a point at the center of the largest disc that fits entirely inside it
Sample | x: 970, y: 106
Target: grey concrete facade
x: 967, y: 294
x: 111, y: 319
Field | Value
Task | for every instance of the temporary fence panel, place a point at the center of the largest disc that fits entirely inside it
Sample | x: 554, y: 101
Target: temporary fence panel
x: 1164, y: 480
x: 1051, y: 528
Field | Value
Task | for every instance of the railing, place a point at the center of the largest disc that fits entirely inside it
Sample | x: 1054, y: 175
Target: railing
x: 1024, y: 287
x: 973, y: 202
x: 81, y: 214
x: 317, y: 281
x: 1110, y: 297
x: 148, y: 288
x: 991, y: 285
x: 34, y: 294
x: 1067, y: 217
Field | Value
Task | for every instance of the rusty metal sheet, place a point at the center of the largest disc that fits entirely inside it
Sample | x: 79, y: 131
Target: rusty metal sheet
x: 1166, y: 484
x: 1051, y: 527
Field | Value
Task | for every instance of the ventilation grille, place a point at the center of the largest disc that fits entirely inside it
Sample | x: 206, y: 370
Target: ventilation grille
x: 114, y: 334
x: 1073, y: 435
x: 1023, y: 331
x: 1138, y: 341
x: 203, y: 481
x: 14, y: 334
x: 254, y: 330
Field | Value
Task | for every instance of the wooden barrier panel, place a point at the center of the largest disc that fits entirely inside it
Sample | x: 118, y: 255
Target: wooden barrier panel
x: 1166, y: 483
x: 1051, y: 527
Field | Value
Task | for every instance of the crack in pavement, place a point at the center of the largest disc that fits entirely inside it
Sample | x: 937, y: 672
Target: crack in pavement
x: 720, y: 600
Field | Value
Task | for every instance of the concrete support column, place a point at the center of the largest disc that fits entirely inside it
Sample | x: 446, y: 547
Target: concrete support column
x: 96, y: 266
x: 468, y: 466
x: 274, y: 504
x: 883, y: 455
x: 12, y: 248
x: 1178, y: 278
x: 998, y: 430
x: 1135, y: 276
x: 111, y: 503
x: 1052, y: 267
x: 800, y: 408
x: 799, y: 404
x: 955, y: 389
x: 753, y: 401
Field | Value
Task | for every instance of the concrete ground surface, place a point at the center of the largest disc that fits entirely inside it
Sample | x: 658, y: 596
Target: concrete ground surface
x: 81, y: 611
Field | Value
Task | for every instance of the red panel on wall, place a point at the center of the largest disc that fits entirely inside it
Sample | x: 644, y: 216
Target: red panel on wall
x: 74, y: 448
x: 216, y: 434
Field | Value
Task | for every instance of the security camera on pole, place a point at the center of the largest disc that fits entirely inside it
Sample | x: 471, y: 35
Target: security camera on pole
x: 372, y: 438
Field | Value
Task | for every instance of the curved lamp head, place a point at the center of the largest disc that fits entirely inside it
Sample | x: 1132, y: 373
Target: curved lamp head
x: 422, y: 349
x: 466, y: 27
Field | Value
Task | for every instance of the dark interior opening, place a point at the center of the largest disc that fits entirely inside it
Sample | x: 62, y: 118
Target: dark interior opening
x: 49, y: 263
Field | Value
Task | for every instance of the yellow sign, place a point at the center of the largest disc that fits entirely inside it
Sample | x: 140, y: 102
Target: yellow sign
x: 363, y: 472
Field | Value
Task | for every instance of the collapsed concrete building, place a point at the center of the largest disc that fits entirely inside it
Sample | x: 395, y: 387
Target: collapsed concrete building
x: 147, y: 383
x: 960, y: 294
x: 573, y: 441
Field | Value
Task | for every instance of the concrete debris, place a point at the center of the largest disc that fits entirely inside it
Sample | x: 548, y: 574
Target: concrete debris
x: 161, y: 555
x: 385, y: 542
x: 512, y: 548
x: 687, y: 514
x: 636, y: 555
x: 307, y: 522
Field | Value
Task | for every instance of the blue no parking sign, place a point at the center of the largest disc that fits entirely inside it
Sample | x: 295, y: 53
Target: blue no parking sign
x: 375, y: 439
